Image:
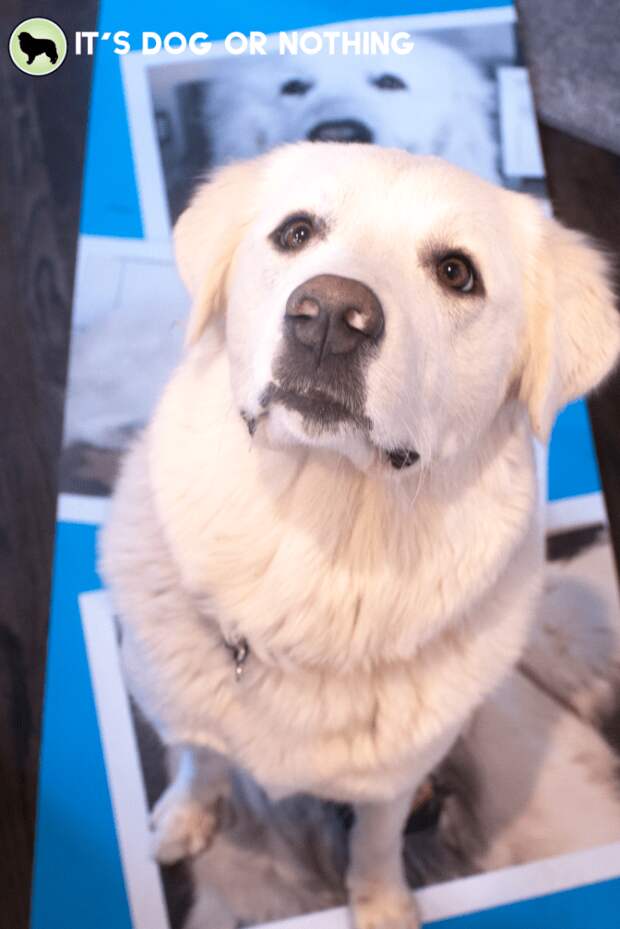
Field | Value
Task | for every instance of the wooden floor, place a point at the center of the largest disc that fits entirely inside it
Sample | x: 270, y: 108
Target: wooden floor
x: 41, y: 158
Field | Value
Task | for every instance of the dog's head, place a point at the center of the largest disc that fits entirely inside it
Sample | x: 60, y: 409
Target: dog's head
x: 388, y: 306
x: 25, y: 40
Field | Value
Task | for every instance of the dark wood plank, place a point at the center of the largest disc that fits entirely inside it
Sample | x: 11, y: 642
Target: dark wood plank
x: 41, y: 153
x: 584, y: 182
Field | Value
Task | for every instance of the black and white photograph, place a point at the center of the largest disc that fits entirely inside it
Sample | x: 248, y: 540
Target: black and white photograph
x: 461, y: 93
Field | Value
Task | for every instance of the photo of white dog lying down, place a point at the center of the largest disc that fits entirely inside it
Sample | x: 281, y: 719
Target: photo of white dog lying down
x: 325, y: 549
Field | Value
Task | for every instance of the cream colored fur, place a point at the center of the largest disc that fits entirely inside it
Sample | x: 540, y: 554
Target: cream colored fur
x: 380, y: 607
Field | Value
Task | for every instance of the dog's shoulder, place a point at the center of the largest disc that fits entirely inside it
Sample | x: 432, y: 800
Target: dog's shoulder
x: 131, y: 536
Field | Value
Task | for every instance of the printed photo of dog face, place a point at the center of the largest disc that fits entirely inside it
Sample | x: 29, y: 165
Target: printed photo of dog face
x: 434, y: 100
x: 441, y: 99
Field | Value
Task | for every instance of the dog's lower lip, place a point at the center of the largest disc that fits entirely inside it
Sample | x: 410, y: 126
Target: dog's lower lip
x: 314, y: 403
x: 399, y: 458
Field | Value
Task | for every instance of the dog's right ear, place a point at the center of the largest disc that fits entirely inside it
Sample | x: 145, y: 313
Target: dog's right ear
x: 206, y: 236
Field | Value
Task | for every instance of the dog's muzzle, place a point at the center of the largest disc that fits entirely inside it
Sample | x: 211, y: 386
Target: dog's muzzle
x: 333, y: 327
x: 341, y: 130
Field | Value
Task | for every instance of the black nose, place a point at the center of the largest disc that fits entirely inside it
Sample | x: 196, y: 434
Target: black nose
x: 332, y: 315
x: 340, y: 130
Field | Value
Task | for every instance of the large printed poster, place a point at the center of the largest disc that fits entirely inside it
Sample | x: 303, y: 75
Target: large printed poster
x: 526, y: 809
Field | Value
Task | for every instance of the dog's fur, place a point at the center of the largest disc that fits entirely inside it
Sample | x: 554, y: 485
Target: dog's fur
x: 439, y: 102
x: 380, y: 607
x: 33, y: 47
x: 530, y: 776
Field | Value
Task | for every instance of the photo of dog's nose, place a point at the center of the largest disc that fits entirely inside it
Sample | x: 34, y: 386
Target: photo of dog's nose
x: 341, y: 130
x: 333, y: 315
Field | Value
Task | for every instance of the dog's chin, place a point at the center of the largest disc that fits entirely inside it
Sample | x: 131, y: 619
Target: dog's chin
x: 285, y: 427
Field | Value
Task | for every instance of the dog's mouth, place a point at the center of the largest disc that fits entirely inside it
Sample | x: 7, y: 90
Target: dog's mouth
x: 341, y: 130
x: 320, y: 412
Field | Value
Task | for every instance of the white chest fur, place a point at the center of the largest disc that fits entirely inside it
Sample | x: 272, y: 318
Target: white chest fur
x: 375, y: 622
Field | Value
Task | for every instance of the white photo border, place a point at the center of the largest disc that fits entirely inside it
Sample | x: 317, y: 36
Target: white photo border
x: 145, y: 893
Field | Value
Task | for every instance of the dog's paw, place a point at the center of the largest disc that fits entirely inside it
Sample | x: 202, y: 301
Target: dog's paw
x: 181, y: 827
x: 383, y: 908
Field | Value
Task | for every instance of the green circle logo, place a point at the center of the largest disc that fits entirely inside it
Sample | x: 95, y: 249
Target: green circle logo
x: 38, y: 46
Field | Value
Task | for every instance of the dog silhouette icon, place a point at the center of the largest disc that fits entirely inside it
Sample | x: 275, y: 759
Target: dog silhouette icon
x: 33, y: 47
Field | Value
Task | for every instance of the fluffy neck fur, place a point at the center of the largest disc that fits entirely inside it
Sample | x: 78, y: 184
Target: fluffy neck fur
x: 399, y: 560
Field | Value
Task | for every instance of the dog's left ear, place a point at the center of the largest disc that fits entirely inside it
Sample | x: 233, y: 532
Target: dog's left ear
x: 206, y: 236
x: 572, y: 327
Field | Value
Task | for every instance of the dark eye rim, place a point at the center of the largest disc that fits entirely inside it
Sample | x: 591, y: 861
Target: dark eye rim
x: 301, y: 218
x: 475, y: 288
x: 295, y: 87
x: 387, y: 81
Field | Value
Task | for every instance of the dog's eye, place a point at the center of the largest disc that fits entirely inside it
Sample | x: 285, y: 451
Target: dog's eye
x: 389, y: 82
x: 294, y: 233
x: 295, y: 88
x: 457, y: 273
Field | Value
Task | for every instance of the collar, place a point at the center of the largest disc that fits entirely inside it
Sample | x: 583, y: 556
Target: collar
x: 240, y: 650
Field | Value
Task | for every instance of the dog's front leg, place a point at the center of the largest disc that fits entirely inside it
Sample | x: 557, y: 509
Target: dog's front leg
x: 378, y: 892
x: 184, y: 819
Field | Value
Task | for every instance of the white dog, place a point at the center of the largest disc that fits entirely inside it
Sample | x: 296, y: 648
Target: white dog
x: 325, y: 548
x: 432, y: 101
